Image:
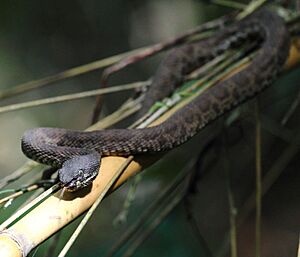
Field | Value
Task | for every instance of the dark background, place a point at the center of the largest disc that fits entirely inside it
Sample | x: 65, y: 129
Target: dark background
x: 40, y: 38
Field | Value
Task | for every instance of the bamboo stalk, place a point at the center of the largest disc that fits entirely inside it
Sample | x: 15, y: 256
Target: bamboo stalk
x: 8, y: 247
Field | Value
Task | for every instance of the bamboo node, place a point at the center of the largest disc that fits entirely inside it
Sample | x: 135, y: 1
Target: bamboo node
x: 23, y: 243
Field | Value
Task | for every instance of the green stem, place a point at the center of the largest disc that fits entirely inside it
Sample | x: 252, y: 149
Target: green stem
x: 250, y: 8
x: 228, y: 3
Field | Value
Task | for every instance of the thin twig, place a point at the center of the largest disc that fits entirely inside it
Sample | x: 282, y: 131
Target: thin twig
x: 232, y: 208
x: 209, y: 66
x: 250, y: 8
x: 232, y: 221
x: 25, y: 189
x: 229, y: 3
x: 69, y: 97
x: 231, y: 63
x: 18, y: 193
x: 258, y: 183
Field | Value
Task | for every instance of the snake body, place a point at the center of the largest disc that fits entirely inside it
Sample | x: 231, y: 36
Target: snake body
x: 77, y: 154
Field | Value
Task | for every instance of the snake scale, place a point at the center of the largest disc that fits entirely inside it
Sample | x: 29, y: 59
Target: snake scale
x: 77, y: 154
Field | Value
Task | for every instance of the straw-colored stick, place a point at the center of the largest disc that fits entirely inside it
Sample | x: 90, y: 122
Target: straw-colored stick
x: 9, y: 247
x: 57, y: 211
x: 71, y: 97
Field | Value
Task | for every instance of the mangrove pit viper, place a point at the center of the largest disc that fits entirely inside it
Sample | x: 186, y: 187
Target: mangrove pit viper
x: 77, y: 154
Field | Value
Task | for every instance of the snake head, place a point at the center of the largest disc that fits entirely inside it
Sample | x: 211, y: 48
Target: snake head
x: 79, y: 171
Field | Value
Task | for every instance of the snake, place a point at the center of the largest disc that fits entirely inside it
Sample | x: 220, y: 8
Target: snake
x: 77, y: 154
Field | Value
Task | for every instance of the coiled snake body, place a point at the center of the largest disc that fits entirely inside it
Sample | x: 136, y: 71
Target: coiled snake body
x: 77, y: 154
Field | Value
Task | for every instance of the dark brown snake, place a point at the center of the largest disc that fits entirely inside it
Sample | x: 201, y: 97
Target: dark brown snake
x: 77, y: 154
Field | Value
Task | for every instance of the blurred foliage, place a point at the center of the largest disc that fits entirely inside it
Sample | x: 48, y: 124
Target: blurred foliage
x: 40, y: 38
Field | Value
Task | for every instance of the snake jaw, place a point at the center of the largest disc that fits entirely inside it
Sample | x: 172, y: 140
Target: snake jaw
x: 78, y: 183
x: 79, y: 171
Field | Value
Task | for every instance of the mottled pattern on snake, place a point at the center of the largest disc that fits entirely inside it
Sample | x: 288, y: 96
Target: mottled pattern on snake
x: 78, y: 154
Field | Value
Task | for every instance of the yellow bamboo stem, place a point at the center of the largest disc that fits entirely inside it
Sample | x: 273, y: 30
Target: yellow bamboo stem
x: 9, y: 247
x: 57, y: 211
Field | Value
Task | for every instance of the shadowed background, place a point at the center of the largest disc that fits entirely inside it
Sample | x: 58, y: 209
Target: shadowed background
x: 41, y: 38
